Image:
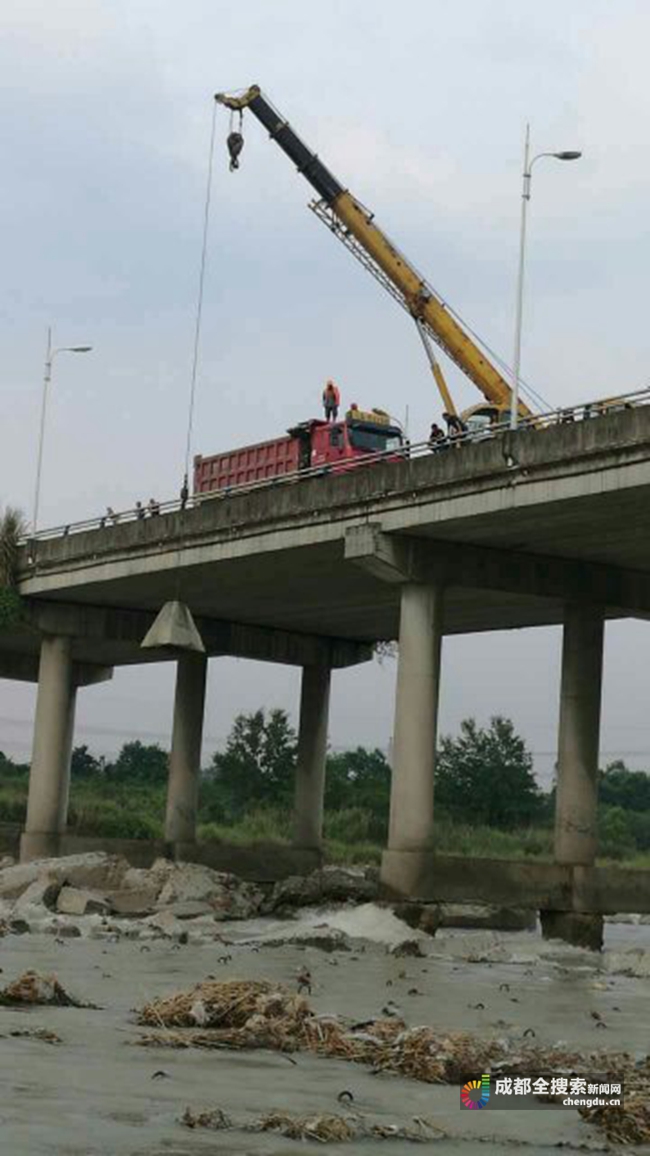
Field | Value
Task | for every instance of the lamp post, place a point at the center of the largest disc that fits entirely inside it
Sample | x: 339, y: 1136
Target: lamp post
x: 565, y: 155
x: 47, y: 377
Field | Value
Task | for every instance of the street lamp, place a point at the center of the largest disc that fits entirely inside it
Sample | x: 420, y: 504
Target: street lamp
x: 47, y: 377
x: 565, y: 155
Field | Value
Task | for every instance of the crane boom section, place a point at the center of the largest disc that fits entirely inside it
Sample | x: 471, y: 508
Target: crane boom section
x: 418, y: 297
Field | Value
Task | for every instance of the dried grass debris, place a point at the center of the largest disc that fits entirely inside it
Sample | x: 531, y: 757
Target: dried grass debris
x: 320, y: 1126
x: 43, y: 1034
x: 323, y: 1127
x: 216, y: 1120
x: 256, y: 1014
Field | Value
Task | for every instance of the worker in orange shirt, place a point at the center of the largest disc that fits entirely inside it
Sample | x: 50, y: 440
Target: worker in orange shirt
x: 331, y: 401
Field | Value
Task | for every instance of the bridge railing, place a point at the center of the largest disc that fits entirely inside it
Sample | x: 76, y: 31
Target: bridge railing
x: 568, y: 414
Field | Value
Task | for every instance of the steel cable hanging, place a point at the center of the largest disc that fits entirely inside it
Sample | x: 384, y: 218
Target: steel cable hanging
x: 199, y: 304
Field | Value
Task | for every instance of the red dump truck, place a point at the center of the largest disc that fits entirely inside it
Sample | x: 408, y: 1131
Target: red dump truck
x: 312, y: 444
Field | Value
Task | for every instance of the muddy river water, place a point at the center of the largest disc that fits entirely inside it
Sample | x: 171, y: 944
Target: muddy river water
x: 97, y: 1094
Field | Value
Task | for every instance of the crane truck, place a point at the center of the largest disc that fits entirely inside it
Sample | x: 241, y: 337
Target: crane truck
x: 356, y: 227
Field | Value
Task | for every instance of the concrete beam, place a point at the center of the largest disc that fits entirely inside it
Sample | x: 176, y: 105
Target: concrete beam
x: 402, y: 558
x: 239, y: 640
x: 24, y: 668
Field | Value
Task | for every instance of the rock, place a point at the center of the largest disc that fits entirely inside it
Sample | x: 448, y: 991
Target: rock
x: 330, y: 885
x: 6, y: 861
x: 18, y: 926
x: 75, y: 901
x: 325, y: 940
x: 43, y: 892
x: 66, y: 931
x: 227, y: 896
x: 164, y: 923
x: 420, y: 916
x: 139, y: 902
x: 93, y: 869
x: 190, y: 909
x: 407, y: 948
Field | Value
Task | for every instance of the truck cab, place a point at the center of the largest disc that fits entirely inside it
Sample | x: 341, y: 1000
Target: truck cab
x: 360, y: 435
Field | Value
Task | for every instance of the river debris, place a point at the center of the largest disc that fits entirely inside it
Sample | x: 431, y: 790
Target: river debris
x: 242, y: 1014
x: 319, y: 1126
x: 216, y: 1119
x: 38, y: 990
x: 245, y: 1013
x: 43, y: 1034
x: 630, y: 1123
x: 324, y: 1127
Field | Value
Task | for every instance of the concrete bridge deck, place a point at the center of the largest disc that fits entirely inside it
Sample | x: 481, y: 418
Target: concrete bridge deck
x: 570, y: 514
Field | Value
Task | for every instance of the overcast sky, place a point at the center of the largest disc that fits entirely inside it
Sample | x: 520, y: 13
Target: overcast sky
x: 420, y: 109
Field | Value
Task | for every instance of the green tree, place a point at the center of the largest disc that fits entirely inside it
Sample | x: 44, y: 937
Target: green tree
x: 10, y: 769
x: 140, y: 762
x: 256, y: 769
x: 12, y: 528
x: 485, y: 776
x: 620, y: 787
x: 85, y: 765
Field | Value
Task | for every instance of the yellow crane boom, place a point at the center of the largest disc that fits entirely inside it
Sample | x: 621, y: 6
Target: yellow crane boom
x: 356, y: 227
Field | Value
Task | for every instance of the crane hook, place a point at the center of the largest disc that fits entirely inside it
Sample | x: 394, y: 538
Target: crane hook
x: 235, y: 142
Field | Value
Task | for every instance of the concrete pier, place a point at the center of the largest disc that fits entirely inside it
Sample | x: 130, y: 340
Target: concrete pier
x: 312, y: 751
x: 49, y: 780
x: 576, y: 808
x: 185, y: 756
x: 414, y: 745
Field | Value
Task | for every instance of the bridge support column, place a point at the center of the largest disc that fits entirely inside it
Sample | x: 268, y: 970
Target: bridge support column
x: 49, y: 778
x: 576, y: 832
x: 185, y: 756
x: 407, y: 860
x: 312, y: 751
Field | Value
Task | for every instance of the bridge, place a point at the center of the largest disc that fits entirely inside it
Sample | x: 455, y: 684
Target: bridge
x: 543, y: 525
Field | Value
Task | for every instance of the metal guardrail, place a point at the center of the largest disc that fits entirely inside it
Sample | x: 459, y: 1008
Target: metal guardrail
x: 584, y: 412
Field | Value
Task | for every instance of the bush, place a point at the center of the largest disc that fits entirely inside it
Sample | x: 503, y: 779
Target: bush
x: 354, y: 825
x: 615, y: 835
x: 13, y: 804
x: 261, y: 826
x: 107, y: 820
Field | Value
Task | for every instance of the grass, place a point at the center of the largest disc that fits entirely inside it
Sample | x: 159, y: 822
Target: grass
x: 135, y: 811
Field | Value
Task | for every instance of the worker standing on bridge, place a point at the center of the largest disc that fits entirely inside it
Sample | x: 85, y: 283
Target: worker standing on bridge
x: 455, y: 425
x: 437, y: 437
x: 331, y: 401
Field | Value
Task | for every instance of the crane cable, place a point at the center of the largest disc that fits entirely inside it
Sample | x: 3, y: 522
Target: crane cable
x: 199, y: 303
